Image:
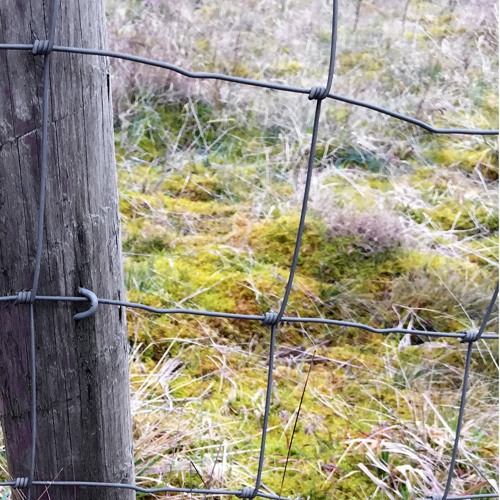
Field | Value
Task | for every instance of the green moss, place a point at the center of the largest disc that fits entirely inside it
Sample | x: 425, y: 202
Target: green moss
x: 456, y: 157
x: 381, y: 183
x: 483, y: 252
x: 220, y: 281
x: 192, y: 187
x: 322, y: 256
x: 482, y: 156
x: 365, y: 60
x: 247, y: 282
x: 288, y: 67
x: 453, y: 215
x: 204, y: 248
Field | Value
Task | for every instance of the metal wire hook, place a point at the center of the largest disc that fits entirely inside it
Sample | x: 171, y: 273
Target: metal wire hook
x: 94, y: 303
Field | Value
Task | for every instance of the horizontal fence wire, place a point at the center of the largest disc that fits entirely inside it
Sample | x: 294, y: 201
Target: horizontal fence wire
x: 46, y: 48
x: 256, y: 83
x: 263, y: 318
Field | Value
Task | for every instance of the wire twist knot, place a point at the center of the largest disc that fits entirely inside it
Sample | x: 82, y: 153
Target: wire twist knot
x: 21, y: 482
x: 42, y: 47
x: 270, y: 319
x: 318, y: 93
x: 24, y: 297
x: 246, y: 492
x: 470, y: 336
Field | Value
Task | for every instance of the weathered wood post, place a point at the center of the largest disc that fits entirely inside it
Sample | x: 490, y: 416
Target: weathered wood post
x: 84, y: 424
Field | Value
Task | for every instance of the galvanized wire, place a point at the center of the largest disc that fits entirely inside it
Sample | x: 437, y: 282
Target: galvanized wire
x: 462, y: 497
x: 471, y: 340
x: 271, y: 319
x: 252, y: 317
x: 243, y: 493
x: 256, y: 83
x: 45, y: 50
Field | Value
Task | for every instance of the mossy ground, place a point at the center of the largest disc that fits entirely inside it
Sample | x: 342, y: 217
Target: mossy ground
x: 217, y: 232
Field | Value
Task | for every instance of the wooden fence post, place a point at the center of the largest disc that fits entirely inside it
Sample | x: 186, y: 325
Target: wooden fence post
x: 84, y: 423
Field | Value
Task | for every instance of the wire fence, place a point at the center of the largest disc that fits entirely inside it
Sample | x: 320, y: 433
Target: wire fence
x: 46, y: 49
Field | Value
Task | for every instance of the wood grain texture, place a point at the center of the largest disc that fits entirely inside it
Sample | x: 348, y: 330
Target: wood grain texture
x: 84, y: 424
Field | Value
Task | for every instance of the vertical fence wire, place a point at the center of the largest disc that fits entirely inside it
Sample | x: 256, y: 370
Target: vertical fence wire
x: 44, y: 49
x: 473, y: 337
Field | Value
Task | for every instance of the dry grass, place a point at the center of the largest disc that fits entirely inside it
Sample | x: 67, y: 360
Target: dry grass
x: 387, y: 183
x: 386, y: 420
x: 438, y: 63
